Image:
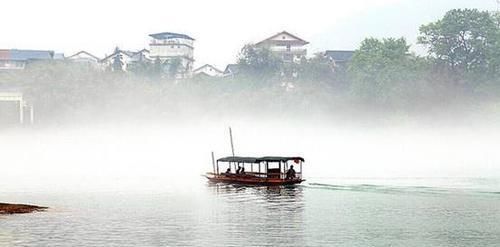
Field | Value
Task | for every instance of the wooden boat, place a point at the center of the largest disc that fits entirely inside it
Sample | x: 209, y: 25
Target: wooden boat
x: 269, y: 171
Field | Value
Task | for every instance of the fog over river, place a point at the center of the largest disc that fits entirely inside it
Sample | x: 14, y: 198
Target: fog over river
x: 131, y: 156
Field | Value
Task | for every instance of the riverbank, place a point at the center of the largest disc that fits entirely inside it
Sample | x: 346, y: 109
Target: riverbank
x: 6, y: 208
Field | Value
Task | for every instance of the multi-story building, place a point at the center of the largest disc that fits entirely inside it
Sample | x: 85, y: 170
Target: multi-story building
x: 173, y: 49
x: 286, y: 45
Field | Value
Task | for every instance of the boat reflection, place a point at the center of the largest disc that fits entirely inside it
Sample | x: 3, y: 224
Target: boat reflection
x: 282, y: 197
x: 257, y: 211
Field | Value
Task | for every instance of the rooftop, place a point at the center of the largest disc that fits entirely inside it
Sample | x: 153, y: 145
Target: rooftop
x: 232, y: 69
x: 271, y: 39
x: 84, y: 53
x: 169, y: 35
x: 209, y: 66
x: 23, y: 55
x: 239, y: 159
x: 339, y: 56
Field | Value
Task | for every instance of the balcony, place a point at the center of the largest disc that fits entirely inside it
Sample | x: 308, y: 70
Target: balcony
x: 289, y: 50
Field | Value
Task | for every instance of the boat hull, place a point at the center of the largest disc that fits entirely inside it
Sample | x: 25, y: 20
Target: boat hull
x: 249, y: 180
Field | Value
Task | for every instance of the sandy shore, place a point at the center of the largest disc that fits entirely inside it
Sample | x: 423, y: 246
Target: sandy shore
x: 6, y: 208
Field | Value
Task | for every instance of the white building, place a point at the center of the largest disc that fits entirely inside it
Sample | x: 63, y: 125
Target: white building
x: 208, y: 70
x: 127, y: 58
x: 84, y: 58
x: 173, y: 48
x: 287, y: 46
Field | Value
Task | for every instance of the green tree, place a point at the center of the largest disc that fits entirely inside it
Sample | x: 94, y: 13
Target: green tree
x: 317, y: 69
x: 384, y: 71
x: 259, y: 62
x: 464, y: 39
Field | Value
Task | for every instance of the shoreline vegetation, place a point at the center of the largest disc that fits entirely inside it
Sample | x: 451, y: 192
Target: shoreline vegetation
x: 457, y: 79
x: 7, y: 208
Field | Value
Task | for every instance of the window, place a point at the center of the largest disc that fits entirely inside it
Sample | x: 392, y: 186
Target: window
x: 288, y: 48
x: 172, y: 46
x: 283, y: 37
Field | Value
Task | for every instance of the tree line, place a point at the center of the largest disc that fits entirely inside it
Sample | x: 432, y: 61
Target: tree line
x: 462, y: 58
x: 461, y: 66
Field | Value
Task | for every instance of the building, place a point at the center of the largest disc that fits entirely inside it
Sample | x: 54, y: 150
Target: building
x: 18, y: 59
x: 339, y: 58
x: 127, y: 58
x: 173, y: 49
x: 286, y: 45
x: 208, y: 70
x: 140, y: 56
x: 59, y: 56
x: 231, y: 70
x: 84, y: 58
x: 123, y: 56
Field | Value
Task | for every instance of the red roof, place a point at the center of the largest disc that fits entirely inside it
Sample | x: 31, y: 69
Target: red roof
x: 4, y: 54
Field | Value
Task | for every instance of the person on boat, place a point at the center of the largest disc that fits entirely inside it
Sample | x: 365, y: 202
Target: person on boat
x: 290, y: 173
x: 242, y: 171
x: 238, y: 170
x: 228, y: 171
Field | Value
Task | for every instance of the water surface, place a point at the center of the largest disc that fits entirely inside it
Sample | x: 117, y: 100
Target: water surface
x: 321, y: 212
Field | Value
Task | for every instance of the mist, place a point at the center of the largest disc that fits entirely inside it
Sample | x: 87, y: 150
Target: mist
x: 108, y: 131
x: 139, y: 156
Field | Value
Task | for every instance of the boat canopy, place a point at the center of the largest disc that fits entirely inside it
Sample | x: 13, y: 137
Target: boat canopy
x: 239, y: 159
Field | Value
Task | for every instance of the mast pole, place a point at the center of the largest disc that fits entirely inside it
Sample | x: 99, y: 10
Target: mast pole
x: 231, y: 139
x: 213, y: 163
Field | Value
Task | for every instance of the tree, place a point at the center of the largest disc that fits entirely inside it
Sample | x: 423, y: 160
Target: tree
x: 157, y: 69
x: 141, y: 68
x: 318, y: 69
x: 384, y: 70
x: 173, y: 66
x: 464, y: 39
x: 117, y: 64
x: 259, y: 62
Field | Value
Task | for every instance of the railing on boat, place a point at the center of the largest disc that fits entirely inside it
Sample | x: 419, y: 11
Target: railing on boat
x: 255, y: 174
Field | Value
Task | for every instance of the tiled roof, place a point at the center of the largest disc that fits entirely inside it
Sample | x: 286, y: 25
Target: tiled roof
x: 297, y: 39
x: 339, y: 56
x: 169, y: 35
x: 210, y: 66
x: 232, y: 69
x: 84, y: 52
x: 23, y: 55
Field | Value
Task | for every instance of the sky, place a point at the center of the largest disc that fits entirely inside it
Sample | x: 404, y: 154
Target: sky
x: 220, y: 27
